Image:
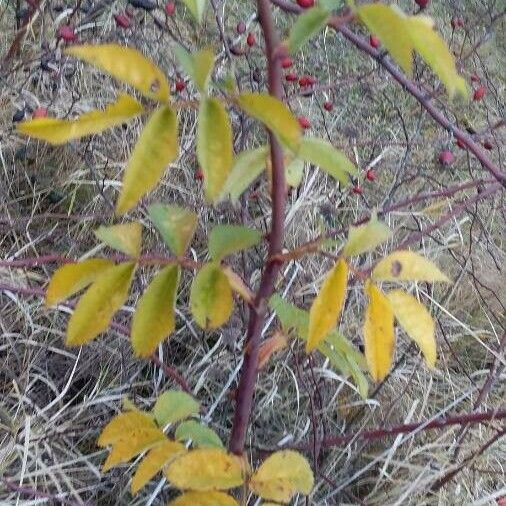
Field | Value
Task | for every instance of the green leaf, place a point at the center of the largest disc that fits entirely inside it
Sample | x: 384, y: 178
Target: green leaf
x: 72, y: 278
x: 175, y: 224
x: 308, y: 24
x: 127, y: 65
x: 227, y: 239
x: 290, y: 316
x: 214, y: 146
x: 154, y: 317
x: 247, y: 167
x: 97, y: 306
x: 366, y: 237
x: 294, y: 173
x: 173, y: 406
x: 198, y: 66
x: 407, y: 266
x: 275, y: 115
x: 322, y: 154
x: 433, y: 49
x: 126, y: 237
x: 200, y: 435
x: 211, y: 300
x: 155, y: 149
x: 197, y: 8
x: 389, y: 25
x: 59, y: 131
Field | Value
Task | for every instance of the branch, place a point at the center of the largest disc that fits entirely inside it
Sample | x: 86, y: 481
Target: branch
x: 258, y: 312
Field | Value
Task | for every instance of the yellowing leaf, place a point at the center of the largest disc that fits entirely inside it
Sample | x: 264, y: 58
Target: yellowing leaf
x: 238, y: 285
x: 281, y: 476
x: 197, y: 8
x: 200, y: 435
x: 206, y: 469
x: 155, y: 460
x: 214, y: 146
x: 247, y: 167
x: 389, y: 25
x: 175, y: 224
x: 433, y: 49
x: 126, y: 237
x: 129, y: 434
x: 379, y: 337
x: 366, y: 237
x: 71, y: 278
x: 327, y: 306
x: 211, y: 298
x: 154, y: 317
x: 127, y: 65
x: 97, y: 306
x: 198, y: 65
x: 308, y: 24
x: 416, y: 321
x: 59, y: 131
x: 227, y: 239
x: 209, y: 498
x: 275, y: 115
x: 322, y: 154
x: 173, y: 406
x: 155, y: 149
x: 269, y: 346
x: 294, y: 173
x: 407, y: 266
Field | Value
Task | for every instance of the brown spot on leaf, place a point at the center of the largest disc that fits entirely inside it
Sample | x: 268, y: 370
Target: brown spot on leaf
x: 396, y: 268
x: 155, y: 86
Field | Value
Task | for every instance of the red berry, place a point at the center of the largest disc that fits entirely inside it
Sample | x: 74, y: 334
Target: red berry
x: 241, y: 27
x: 67, y: 33
x: 357, y: 190
x: 170, y: 8
x: 311, y: 81
x: 446, y: 158
x: 461, y: 144
x: 374, y: 41
x: 291, y: 77
x: 199, y: 175
x: 488, y: 145
x: 251, y: 40
x: 305, y: 4
x: 287, y: 62
x: 180, y: 86
x: 328, y: 106
x: 122, y: 20
x: 422, y: 3
x: 304, y: 122
x: 303, y: 82
x: 40, y: 112
x: 479, y: 93
x: 370, y: 175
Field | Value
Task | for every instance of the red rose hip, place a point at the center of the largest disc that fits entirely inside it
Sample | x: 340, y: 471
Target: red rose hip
x: 479, y: 93
x: 170, y: 8
x: 251, y: 40
x: 328, y: 106
x: 446, y: 158
x: 305, y: 4
x: 304, y: 122
x: 370, y: 175
x: 374, y: 41
x: 180, y: 86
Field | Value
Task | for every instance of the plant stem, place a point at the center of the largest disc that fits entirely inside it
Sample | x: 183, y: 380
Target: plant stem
x: 245, y: 391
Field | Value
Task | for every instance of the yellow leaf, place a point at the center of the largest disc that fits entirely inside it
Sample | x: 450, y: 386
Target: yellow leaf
x: 59, y: 131
x: 433, y: 49
x: 379, y: 336
x: 327, y: 306
x: 155, y: 149
x: 407, y: 266
x: 173, y: 406
x: 208, y: 498
x: 366, y: 237
x: 155, y: 460
x: 175, y: 224
x: 97, y: 306
x: 281, y: 476
x: 238, y: 285
x: 206, y: 469
x: 416, y: 321
x: 154, y: 317
x: 271, y: 345
x: 214, y: 146
x: 71, y: 278
x: 129, y: 434
x: 126, y: 237
x: 211, y: 298
x: 127, y: 65
x: 275, y: 115
x: 390, y: 26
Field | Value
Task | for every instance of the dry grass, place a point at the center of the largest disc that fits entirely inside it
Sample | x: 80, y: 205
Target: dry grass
x: 54, y: 401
